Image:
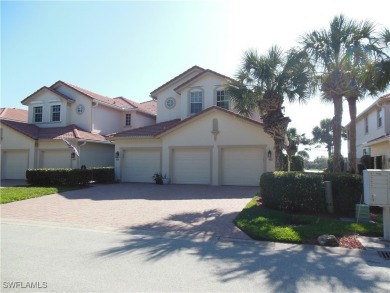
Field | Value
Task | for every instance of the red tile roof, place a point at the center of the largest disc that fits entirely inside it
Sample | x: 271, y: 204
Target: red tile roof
x: 150, y: 107
x: 153, y: 93
x: 196, y: 77
x: 151, y: 130
x: 14, y: 114
x: 70, y: 131
x: 161, y: 128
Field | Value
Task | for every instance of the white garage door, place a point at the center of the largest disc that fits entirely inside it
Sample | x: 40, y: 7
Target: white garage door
x: 242, y: 166
x: 140, y: 165
x: 191, y: 166
x: 14, y: 164
x: 56, y: 159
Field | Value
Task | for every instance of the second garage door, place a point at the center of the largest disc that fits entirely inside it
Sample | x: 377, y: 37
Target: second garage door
x: 242, y: 166
x: 140, y: 165
x: 191, y: 166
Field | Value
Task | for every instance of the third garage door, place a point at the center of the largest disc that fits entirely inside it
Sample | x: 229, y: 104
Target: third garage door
x: 242, y: 166
x: 191, y: 166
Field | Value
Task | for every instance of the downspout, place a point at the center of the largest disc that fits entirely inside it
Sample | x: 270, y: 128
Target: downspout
x: 84, y: 143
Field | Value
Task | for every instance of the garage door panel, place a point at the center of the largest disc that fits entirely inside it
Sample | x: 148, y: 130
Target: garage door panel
x: 242, y: 166
x: 191, y: 166
x: 15, y: 164
x: 140, y: 165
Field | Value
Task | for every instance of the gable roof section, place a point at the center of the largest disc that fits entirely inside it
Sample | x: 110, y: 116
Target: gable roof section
x: 35, y: 132
x: 87, y: 93
x: 149, y: 107
x: 175, y: 79
x: 14, y: 114
x: 160, y: 129
x: 24, y: 102
x: 199, y: 76
x: 147, y: 131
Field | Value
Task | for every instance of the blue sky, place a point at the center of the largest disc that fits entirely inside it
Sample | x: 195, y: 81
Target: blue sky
x: 129, y: 48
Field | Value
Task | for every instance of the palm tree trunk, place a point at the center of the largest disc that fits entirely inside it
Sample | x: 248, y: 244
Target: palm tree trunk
x: 352, y: 134
x: 279, y: 145
x: 336, y: 126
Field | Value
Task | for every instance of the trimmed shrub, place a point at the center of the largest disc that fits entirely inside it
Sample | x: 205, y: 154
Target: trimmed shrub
x: 103, y: 174
x: 304, y: 192
x: 293, y: 191
x: 48, y: 177
x: 347, y: 190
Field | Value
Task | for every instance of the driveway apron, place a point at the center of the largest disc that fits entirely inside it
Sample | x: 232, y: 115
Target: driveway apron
x: 197, y: 210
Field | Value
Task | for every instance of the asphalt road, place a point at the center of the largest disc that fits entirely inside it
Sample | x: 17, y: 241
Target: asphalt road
x: 69, y: 259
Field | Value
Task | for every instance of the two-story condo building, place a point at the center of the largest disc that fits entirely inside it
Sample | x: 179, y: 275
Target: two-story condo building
x: 198, y: 138
x: 34, y: 139
x: 373, y: 133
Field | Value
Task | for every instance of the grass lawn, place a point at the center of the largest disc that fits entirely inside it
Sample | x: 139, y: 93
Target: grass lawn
x: 10, y: 194
x: 262, y: 223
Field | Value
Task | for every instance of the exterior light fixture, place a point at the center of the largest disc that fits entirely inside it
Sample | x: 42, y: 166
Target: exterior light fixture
x: 117, y: 155
x: 73, y: 156
x: 364, y: 152
x: 269, y: 155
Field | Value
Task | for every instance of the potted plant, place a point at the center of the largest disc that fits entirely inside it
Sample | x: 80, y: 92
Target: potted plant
x: 160, y: 179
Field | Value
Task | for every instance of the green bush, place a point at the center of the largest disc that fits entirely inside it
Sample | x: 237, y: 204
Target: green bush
x: 103, y: 174
x: 304, y: 192
x: 347, y: 190
x: 70, y: 177
x: 297, y: 163
x: 293, y: 191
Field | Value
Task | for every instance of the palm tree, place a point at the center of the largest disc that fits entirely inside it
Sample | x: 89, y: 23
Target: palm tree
x: 328, y: 50
x: 262, y: 83
x: 294, y: 140
x: 366, y: 72
x: 323, y: 134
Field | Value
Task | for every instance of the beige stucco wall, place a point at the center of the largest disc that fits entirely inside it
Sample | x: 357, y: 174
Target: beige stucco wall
x: 138, y: 119
x: 382, y: 149
x: 46, y: 99
x: 209, y: 84
x: 233, y: 131
x: 13, y: 140
x: 164, y: 114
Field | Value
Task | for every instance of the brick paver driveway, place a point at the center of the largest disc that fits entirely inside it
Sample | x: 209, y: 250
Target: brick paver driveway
x: 193, y: 209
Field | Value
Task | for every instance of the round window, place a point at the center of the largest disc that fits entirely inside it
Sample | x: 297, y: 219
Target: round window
x: 80, y: 109
x: 170, y: 103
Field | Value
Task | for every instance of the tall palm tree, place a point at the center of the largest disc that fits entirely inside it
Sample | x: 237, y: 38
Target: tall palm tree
x: 262, y: 83
x: 365, y: 73
x: 328, y: 50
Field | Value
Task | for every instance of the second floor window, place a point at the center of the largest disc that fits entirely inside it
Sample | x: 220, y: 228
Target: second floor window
x: 222, y: 99
x: 380, y: 117
x: 366, y: 124
x: 56, y: 113
x: 128, y: 119
x: 38, y: 114
x: 196, y: 102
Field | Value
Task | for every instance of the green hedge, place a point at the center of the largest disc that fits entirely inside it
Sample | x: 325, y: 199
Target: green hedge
x: 293, y: 191
x: 347, y: 190
x: 304, y: 192
x: 49, y: 177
